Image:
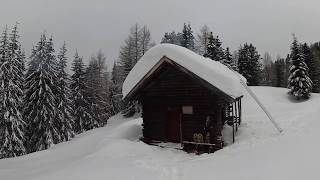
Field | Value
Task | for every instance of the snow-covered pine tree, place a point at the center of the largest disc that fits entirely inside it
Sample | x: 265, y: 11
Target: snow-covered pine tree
x: 312, y: 65
x: 106, y: 94
x: 278, y: 73
x: 12, y: 126
x: 315, y: 49
x: 115, y: 89
x: 249, y: 64
x: 22, y: 60
x: 219, y: 50
x: 299, y: 82
x: 40, y: 97
x: 167, y: 38
x: 105, y: 81
x: 211, y: 47
x: 187, y: 39
x: 79, y: 93
x: 4, y: 46
x: 267, y: 70
x: 287, y: 63
x: 96, y: 89
x: 171, y: 38
x: 228, y: 60
x: 235, y: 58
x: 4, y: 53
x: 63, y: 97
x: 116, y: 73
x: 307, y: 55
x: 93, y: 97
x: 214, y: 49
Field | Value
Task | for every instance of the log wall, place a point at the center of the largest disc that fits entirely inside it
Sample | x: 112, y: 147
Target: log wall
x: 174, y: 88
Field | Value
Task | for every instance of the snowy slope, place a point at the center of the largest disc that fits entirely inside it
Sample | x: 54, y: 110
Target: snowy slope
x: 260, y: 153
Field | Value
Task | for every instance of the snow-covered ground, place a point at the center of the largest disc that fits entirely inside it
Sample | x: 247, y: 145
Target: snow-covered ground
x: 260, y: 153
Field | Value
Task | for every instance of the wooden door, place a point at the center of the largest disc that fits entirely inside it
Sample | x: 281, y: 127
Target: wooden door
x: 173, y: 123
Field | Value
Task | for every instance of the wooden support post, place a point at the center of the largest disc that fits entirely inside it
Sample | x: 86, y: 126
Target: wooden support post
x: 181, y: 138
x: 237, y: 105
x: 233, y: 129
x: 233, y: 133
x: 236, y: 114
x: 240, y: 112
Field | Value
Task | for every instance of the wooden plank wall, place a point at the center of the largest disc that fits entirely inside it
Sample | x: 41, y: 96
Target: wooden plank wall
x: 174, y: 88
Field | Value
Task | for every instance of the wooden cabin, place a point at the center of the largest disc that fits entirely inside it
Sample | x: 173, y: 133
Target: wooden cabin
x: 179, y: 104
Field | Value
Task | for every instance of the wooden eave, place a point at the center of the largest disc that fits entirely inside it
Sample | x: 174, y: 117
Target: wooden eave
x: 133, y: 94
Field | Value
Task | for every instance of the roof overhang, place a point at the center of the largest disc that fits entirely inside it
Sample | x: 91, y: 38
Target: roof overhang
x: 133, y: 94
x: 204, y: 69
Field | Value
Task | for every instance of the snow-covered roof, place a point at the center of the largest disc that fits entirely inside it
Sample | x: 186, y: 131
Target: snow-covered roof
x: 215, y: 73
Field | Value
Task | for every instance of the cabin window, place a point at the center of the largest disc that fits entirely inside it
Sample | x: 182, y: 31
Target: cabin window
x: 187, y: 109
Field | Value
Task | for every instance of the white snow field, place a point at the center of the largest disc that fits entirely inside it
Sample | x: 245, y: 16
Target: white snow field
x: 260, y: 153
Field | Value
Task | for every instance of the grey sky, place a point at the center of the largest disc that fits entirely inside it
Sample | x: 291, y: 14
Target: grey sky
x: 103, y: 24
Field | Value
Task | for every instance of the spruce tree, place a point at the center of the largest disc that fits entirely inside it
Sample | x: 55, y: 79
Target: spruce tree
x: 40, y: 97
x: 171, y: 38
x: 211, y: 47
x: 249, y: 65
x: 299, y: 82
x: 312, y: 65
x: 63, y: 97
x: 219, y: 50
x: 103, y: 77
x: 287, y: 63
x: 187, y: 39
x: 12, y: 126
x: 279, y: 73
x: 267, y: 70
x: 4, y: 46
x: 214, y: 49
x: 96, y: 91
x: 228, y: 60
x: 315, y: 49
x: 115, y: 89
x: 79, y: 93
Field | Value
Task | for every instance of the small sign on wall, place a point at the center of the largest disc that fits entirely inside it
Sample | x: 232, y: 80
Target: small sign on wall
x: 187, y: 109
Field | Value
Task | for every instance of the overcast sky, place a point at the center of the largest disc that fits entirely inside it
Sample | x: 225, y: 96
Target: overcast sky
x: 90, y: 25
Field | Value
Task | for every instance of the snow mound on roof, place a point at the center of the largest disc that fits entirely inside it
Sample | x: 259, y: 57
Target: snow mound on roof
x: 211, y: 71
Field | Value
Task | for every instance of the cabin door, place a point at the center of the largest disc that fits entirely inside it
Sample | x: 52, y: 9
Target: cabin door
x: 173, y: 122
